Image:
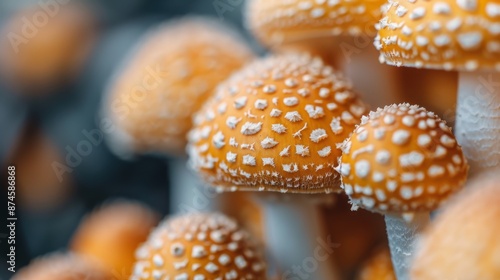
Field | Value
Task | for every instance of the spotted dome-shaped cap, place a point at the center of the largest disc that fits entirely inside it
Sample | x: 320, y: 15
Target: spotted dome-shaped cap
x: 402, y: 159
x: 199, y: 246
x: 168, y: 78
x: 445, y: 34
x: 275, y: 126
x: 62, y: 266
x: 283, y: 21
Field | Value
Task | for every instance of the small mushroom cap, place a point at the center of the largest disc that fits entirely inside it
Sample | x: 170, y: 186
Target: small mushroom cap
x: 112, y: 233
x: 464, y: 240
x: 274, y: 126
x: 199, y: 246
x: 62, y: 266
x: 378, y: 266
x: 41, y: 52
x: 167, y: 79
x: 280, y: 22
x: 402, y: 159
x: 459, y: 35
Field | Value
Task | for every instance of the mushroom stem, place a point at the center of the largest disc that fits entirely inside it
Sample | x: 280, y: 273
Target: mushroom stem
x: 297, y: 242
x: 402, y: 235
x: 184, y: 194
x: 376, y: 83
x: 477, y: 125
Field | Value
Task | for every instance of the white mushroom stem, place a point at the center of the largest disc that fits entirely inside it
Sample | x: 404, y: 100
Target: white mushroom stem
x: 402, y: 235
x: 185, y: 192
x: 477, y: 127
x: 296, y: 240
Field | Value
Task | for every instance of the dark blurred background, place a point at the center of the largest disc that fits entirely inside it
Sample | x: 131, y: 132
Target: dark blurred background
x: 39, y: 129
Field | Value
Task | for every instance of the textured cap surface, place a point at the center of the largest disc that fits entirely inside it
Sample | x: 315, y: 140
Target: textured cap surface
x: 445, y: 34
x: 112, y: 233
x: 464, y: 241
x: 402, y: 159
x: 174, y: 70
x: 200, y: 247
x: 275, y: 126
x: 283, y: 21
x: 62, y: 267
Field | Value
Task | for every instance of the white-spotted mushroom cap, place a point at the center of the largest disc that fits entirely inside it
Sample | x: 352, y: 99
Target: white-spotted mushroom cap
x: 275, y: 126
x: 111, y: 234
x: 166, y: 80
x: 283, y: 21
x: 62, y: 266
x: 464, y: 240
x: 459, y: 35
x: 199, y: 246
x: 402, y: 159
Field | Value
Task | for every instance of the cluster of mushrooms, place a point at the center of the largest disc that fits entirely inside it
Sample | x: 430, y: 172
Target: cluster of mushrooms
x: 290, y: 131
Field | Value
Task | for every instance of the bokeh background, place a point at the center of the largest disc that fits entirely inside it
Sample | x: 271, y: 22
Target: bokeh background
x: 42, y: 124
x: 38, y: 129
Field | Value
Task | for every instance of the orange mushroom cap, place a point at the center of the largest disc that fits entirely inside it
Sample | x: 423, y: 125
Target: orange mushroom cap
x: 274, y: 126
x: 402, y: 159
x: 199, y: 246
x: 112, y: 233
x: 280, y: 22
x: 173, y: 72
x: 464, y: 240
x: 62, y: 266
x: 40, y: 52
x: 445, y: 34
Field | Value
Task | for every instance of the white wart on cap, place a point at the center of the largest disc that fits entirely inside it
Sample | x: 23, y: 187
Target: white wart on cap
x: 275, y: 125
x: 402, y: 159
x: 199, y: 246
x: 445, y: 34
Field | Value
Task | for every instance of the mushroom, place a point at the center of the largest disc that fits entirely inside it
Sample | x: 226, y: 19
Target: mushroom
x: 378, y: 266
x: 453, y: 35
x: 338, y: 31
x: 464, y: 240
x: 62, y: 266
x: 40, y: 52
x: 111, y: 234
x: 402, y: 161
x: 273, y: 127
x: 199, y: 246
x: 151, y: 100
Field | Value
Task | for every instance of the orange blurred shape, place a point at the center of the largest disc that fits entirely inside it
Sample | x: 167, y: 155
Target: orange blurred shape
x: 378, y: 266
x: 37, y: 184
x: 111, y: 234
x: 242, y: 207
x: 356, y: 232
x: 62, y: 266
x: 45, y: 46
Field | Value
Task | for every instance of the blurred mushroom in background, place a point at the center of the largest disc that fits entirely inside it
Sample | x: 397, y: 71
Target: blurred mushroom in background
x: 38, y: 187
x: 356, y: 233
x: 341, y: 32
x: 62, y: 266
x: 464, y: 240
x: 152, y: 98
x: 378, y: 266
x: 46, y: 46
x: 111, y: 234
